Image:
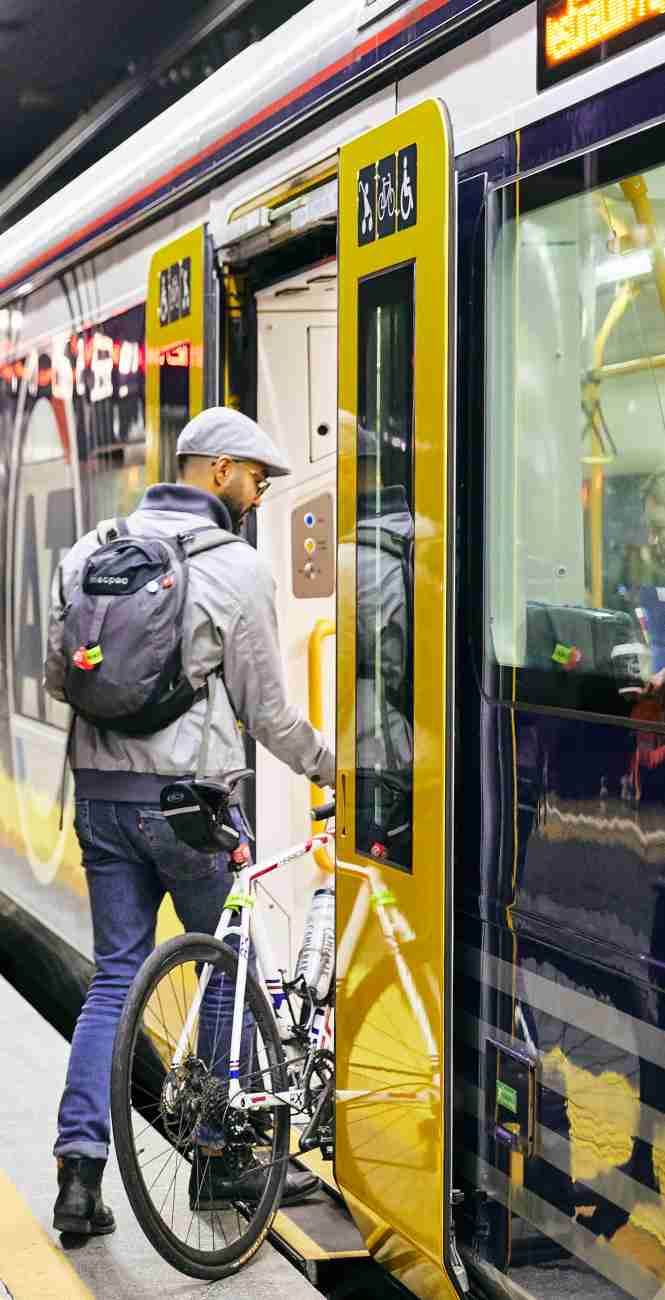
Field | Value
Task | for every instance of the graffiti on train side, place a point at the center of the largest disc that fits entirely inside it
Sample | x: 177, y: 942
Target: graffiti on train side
x: 72, y: 413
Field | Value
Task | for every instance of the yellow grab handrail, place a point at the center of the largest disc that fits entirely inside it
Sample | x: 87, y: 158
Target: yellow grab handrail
x: 625, y: 294
x: 322, y: 628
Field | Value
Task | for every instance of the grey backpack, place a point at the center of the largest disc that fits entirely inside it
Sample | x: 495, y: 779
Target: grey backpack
x: 122, y: 629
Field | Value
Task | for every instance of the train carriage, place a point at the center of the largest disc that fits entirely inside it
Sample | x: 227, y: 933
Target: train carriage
x: 425, y: 244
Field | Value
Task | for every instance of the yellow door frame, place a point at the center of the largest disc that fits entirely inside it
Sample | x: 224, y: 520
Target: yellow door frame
x: 392, y: 1053
x: 177, y: 268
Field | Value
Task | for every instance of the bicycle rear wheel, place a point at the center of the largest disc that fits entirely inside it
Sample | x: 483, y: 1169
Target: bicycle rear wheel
x: 165, y: 1149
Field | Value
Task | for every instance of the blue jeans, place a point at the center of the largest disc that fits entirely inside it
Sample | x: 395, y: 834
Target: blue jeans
x: 131, y: 859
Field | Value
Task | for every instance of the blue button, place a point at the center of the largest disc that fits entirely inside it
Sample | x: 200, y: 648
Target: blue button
x: 309, y: 520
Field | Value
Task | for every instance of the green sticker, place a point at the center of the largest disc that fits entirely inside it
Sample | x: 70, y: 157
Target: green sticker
x: 234, y: 902
x: 562, y: 653
x: 506, y: 1096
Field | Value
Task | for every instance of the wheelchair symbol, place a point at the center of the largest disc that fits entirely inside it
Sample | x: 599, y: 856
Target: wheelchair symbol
x: 406, y: 200
x: 367, y: 224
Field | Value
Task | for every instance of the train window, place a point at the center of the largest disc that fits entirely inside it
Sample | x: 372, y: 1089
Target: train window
x: 575, y: 464
x: 109, y: 412
x: 75, y: 410
x: 385, y: 507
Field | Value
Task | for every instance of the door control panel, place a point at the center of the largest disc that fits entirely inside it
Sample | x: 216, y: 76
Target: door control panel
x: 313, y: 547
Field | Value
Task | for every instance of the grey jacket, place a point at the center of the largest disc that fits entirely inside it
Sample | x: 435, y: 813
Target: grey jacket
x: 230, y: 623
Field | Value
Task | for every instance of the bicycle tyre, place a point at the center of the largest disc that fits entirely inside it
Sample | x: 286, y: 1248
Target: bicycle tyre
x: 208, y: 1265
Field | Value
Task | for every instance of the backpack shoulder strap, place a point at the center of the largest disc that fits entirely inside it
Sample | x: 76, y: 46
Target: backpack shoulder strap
x: 205, y: 539
x: 108, y: 530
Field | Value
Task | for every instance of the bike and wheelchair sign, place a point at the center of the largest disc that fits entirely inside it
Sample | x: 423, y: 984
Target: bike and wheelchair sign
x: 175, y: 291
x: 387, y: 195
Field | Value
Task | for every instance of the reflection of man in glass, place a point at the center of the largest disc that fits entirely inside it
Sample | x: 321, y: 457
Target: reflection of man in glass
x: 384, y: 657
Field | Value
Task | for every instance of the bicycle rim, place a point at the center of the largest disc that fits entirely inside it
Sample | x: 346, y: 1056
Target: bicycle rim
x: 169, y: 1145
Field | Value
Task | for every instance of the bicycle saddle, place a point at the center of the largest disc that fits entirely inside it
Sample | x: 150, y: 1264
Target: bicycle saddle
x: 198, y: 812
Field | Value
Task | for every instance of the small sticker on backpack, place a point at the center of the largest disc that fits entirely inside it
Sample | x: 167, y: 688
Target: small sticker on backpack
x: 87, y: 657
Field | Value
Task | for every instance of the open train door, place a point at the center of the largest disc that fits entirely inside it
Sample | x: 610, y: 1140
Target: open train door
x: 394, y: 722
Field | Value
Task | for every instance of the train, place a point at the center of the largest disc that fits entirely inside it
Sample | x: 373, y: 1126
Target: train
x: 423, y: 242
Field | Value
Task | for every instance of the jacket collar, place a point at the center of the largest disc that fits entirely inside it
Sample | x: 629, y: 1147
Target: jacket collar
x: 188, y: 500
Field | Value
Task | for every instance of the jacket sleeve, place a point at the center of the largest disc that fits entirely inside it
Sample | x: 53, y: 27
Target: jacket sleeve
x: 254, y: 679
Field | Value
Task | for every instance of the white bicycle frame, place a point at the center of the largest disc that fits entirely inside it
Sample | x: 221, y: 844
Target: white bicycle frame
x: 251, y: 930
x: 241, y: 899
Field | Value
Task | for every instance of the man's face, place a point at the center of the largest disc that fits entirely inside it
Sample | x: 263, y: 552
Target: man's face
x: 240, y: 484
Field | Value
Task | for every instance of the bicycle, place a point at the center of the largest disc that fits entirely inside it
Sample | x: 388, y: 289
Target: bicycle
x: 386, y: 201
x: 179, y: 1097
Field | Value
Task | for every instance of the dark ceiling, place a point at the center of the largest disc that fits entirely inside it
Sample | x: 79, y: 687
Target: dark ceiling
x: 63, y: 60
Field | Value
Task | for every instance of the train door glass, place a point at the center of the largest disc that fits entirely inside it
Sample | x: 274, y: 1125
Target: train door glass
x: 576, y: 446
x: 384, y: 559
x: 173, y: 404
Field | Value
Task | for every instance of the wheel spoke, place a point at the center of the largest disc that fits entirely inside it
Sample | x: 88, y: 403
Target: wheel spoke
x: 163, y: 1150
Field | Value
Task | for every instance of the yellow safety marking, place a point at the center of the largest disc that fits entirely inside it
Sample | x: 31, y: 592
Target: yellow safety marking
x: 303, y: 1244
x: 30, y: 1264
x: 290, y: 1232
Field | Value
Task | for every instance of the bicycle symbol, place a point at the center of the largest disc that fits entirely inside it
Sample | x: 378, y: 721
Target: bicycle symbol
x: 368, y: 219
x: 386, y: 202
x: 406, y: 199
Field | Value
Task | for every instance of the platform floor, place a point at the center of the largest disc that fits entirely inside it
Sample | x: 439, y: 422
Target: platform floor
x: 34, y: 1263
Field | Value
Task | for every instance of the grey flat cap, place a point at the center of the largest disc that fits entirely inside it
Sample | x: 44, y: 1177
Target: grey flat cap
x: 221, y: 431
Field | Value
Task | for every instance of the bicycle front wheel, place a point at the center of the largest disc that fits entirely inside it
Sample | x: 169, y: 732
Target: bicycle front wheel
x: 176, y: 1135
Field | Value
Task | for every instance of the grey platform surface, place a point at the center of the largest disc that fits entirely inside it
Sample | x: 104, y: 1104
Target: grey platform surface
x: 123, y: 1265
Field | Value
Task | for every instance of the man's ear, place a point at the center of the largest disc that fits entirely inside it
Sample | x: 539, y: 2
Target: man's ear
x: 220, y: 469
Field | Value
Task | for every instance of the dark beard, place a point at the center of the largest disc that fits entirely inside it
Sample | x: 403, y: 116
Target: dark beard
x: 237, y: 517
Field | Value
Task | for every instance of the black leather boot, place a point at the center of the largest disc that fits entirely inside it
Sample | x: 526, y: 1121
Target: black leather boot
x: 216, y: 1181
x: 79, y: 1207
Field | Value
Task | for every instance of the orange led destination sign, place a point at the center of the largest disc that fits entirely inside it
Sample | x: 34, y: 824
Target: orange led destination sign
x: 577, y: 34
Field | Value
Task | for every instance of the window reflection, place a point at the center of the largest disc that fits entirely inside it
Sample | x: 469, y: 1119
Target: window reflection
x: 576, y: 445
x: 384, y: 652
x: 75, y: 412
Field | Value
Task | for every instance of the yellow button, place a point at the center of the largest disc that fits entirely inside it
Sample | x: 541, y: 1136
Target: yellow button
x: 310, y: 545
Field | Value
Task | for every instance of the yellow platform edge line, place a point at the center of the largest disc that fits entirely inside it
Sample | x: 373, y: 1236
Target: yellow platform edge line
x: 30, y: 1263
x: 304, y: 1245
